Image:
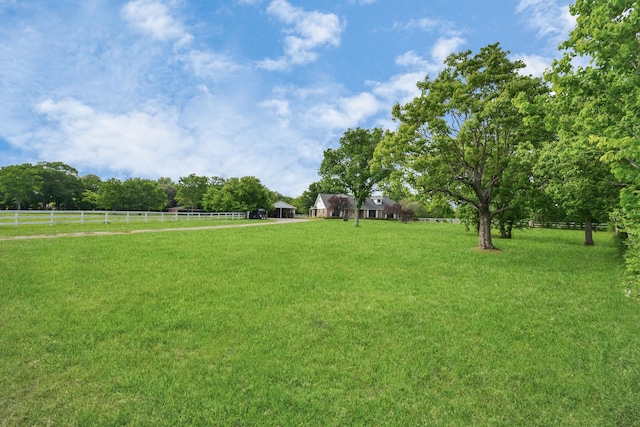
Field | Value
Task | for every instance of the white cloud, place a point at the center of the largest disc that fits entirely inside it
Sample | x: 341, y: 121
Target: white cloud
x: 535, y: 64
x: 153, y: 18
x: 139, y: 141
x: 445, y: 46
x: 210, y: 134
x: 307, y: 32
x: 548, y: 18
x: 411, y: 59
x: 210, y: 65
x: 280, y: 107
x: 346, y: 112
x: 425, y: 24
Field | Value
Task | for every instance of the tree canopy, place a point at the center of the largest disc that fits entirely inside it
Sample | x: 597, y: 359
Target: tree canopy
x: 471, y: 127
x: 191, y: 190
x: 238, y: 195
x: 19, y: 183
x: 350, y: 164
x: 599, y: 76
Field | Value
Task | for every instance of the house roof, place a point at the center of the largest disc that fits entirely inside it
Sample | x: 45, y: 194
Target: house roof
x: 371, y: 203
x: 283, y: 205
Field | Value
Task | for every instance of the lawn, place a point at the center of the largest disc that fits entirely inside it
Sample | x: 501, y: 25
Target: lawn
x: 317, y: 323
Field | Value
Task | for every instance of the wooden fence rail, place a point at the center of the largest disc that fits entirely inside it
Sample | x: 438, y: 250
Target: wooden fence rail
x: 28, y: 217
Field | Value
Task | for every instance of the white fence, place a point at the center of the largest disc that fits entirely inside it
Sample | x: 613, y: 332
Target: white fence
x: 449, y: 220
x: 28, y: 217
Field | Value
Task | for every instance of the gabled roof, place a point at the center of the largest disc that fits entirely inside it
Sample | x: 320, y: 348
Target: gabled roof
x: 377, y: 203
x: 283, y: 205
x: 369, y: 203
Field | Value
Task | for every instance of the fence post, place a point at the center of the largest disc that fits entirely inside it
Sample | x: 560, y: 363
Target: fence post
x: 106, y: 217
x: 81, y: 217
x: 145, y: 216
x: 127, y: 217
x: 51, y: 220
x: 16, y: 220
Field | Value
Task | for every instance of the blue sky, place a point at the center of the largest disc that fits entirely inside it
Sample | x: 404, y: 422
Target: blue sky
x: 151, y: 88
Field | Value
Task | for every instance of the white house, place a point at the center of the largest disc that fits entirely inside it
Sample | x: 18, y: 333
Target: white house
x: 372, y: 208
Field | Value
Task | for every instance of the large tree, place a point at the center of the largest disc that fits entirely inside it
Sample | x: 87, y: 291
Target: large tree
x: 238, y: 195
x: 600, y: 74
x: 350, y: 164
x: 467, y: 131
x: 91, y: 185
x: 574, y: 179
x: 110, y: 195
x: 191, y: 190
x: 140, y: 194
x: 170, y: 189
x: 61, y: 185
x: 19, y: 183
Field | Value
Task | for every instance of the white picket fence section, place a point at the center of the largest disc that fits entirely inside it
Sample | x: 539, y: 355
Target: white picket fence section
x: 449, y: 220
x: 28, y: 217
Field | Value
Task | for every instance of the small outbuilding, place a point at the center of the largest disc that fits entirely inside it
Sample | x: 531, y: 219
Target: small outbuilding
x: 283, y: 210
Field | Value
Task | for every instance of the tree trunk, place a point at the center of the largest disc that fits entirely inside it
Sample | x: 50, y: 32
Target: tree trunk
x: 503, y: 230
x: 588, y: 233
x: 484, y: 230
x: 509, y: 229
x: 357, y: 213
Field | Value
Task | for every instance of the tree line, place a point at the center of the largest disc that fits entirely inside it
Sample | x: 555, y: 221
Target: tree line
x: 56, y: 185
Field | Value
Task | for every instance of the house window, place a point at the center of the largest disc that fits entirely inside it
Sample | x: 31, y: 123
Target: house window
x: 372, y: 213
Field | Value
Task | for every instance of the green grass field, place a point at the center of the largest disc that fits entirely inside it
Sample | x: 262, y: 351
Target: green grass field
x: 317, y: 323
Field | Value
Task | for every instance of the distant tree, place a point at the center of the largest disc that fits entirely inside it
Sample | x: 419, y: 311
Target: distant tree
x: 191, y: 190
x: 349, y: 164
x: 19, y: 183
x: 419, y: 209
x: 275, y: 197
x: 89, y: 200
x: 575, y: 179
x: 238, y: 195
x: 91, y: 184
x: 140, y: 194
x: 402, y: 213
x: 110, y: 195
x: 460, y: 137
x: 339, y: 206
x: 61, y: 185
x: 217, y: 182
x: 170, y: 189
x: 309, y: 196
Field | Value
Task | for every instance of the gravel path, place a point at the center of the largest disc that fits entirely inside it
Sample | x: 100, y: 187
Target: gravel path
x: 157, y: 230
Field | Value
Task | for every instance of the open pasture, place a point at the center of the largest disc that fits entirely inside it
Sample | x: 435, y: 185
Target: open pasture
x: 317, y: 323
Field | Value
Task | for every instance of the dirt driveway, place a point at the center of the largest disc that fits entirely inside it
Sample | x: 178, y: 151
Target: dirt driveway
x: 157, y: 230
